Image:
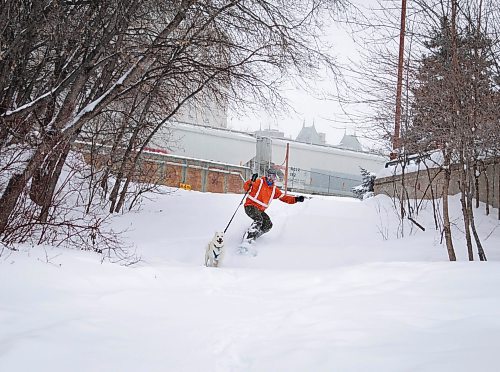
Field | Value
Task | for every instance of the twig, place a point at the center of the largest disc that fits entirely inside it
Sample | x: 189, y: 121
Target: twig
x: 416, y: 223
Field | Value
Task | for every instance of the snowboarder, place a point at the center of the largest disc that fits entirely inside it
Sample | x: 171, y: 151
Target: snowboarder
x: 262, y: 193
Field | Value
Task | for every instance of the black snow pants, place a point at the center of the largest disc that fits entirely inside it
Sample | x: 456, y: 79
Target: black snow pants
x: 261, y: 222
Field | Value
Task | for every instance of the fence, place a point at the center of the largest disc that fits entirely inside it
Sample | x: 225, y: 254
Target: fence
x: 428, y: 183
x: 196, y: 174
x: 209, y: 176
x: 161, y: 168
x: 314, y: 182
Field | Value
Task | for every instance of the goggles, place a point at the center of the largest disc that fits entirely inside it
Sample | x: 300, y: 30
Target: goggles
x: 272, y: 176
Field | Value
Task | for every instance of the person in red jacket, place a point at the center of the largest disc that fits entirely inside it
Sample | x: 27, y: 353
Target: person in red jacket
x: 262, y: 192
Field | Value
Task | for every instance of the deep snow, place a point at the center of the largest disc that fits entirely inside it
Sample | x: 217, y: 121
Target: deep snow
x: 332, y: 289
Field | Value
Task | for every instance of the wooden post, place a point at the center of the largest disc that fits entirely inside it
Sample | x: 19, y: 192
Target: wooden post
x: 286, y: 166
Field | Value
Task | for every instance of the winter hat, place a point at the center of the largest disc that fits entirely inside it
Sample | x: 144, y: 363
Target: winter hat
x: 272, y: 174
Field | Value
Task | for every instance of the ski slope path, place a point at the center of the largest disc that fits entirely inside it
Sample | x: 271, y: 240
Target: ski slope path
x: 331, y: 289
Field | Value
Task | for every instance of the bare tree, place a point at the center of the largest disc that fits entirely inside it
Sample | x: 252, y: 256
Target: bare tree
x: 450, y: 100
x: 67, y: 65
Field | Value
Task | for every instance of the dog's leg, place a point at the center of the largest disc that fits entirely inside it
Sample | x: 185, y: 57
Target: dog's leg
x: 207, y: 256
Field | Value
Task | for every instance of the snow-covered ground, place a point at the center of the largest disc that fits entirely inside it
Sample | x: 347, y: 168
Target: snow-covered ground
x: 331, y: 289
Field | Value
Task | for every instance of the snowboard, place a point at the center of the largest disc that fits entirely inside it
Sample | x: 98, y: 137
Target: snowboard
x: 247, y: 247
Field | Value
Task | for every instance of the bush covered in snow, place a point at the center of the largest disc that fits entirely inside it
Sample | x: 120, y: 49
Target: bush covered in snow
x: 365, y: 190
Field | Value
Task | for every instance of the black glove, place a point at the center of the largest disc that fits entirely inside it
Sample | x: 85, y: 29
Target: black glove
x: 299, y: 198
x: 254, y: 177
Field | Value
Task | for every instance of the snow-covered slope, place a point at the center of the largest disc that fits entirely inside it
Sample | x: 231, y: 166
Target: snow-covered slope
x: 331, y: 289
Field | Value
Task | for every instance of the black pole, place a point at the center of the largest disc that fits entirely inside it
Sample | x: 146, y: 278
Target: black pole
x: 241, y: 202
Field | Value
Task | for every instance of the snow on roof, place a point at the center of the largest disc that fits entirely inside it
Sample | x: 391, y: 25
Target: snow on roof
x: 412, y: 164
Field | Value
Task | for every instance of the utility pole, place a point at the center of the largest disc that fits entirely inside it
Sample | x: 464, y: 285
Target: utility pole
x: 286, y: 166
x: 396, y: 141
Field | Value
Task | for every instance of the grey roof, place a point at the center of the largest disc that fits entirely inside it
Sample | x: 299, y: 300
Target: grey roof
x: 350, y: 142
x: 309, y: 135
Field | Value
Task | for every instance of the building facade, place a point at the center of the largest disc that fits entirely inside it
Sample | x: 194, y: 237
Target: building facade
x: 313, y: 168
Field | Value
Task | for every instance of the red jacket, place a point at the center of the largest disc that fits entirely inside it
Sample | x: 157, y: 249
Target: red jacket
x: 262, y: 194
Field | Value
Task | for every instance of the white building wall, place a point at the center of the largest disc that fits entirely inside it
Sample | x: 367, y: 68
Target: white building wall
x: 211, y: 144
x: 326, y: 158
x: 234, y: 147
x: 324, y: 169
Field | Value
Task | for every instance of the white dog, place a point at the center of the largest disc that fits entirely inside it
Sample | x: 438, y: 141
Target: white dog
x: 215, y: 250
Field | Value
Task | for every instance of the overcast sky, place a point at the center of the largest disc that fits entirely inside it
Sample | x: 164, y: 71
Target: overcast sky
x: 326, y: 114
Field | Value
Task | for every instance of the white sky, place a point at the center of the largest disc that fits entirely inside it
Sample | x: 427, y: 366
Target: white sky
x: 308, y: 108
x: 326, y: 114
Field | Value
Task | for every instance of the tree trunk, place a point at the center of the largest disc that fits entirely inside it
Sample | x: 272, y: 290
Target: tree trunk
x: 480, y: 250
x: 447, y: 151
x: 487, y: 185
x: 113, y: 196
x: 446, y: 215
x: 123, y: 193
x: 19, y: 181
x: 465, y: 196
x: 52, y: 183
x: 476, y: 184
x: 111, y: 161
x: 9, y: 198
x: 45, y: 173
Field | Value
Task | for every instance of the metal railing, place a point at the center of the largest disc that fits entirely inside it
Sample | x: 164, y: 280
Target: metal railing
x: 312, y: 182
